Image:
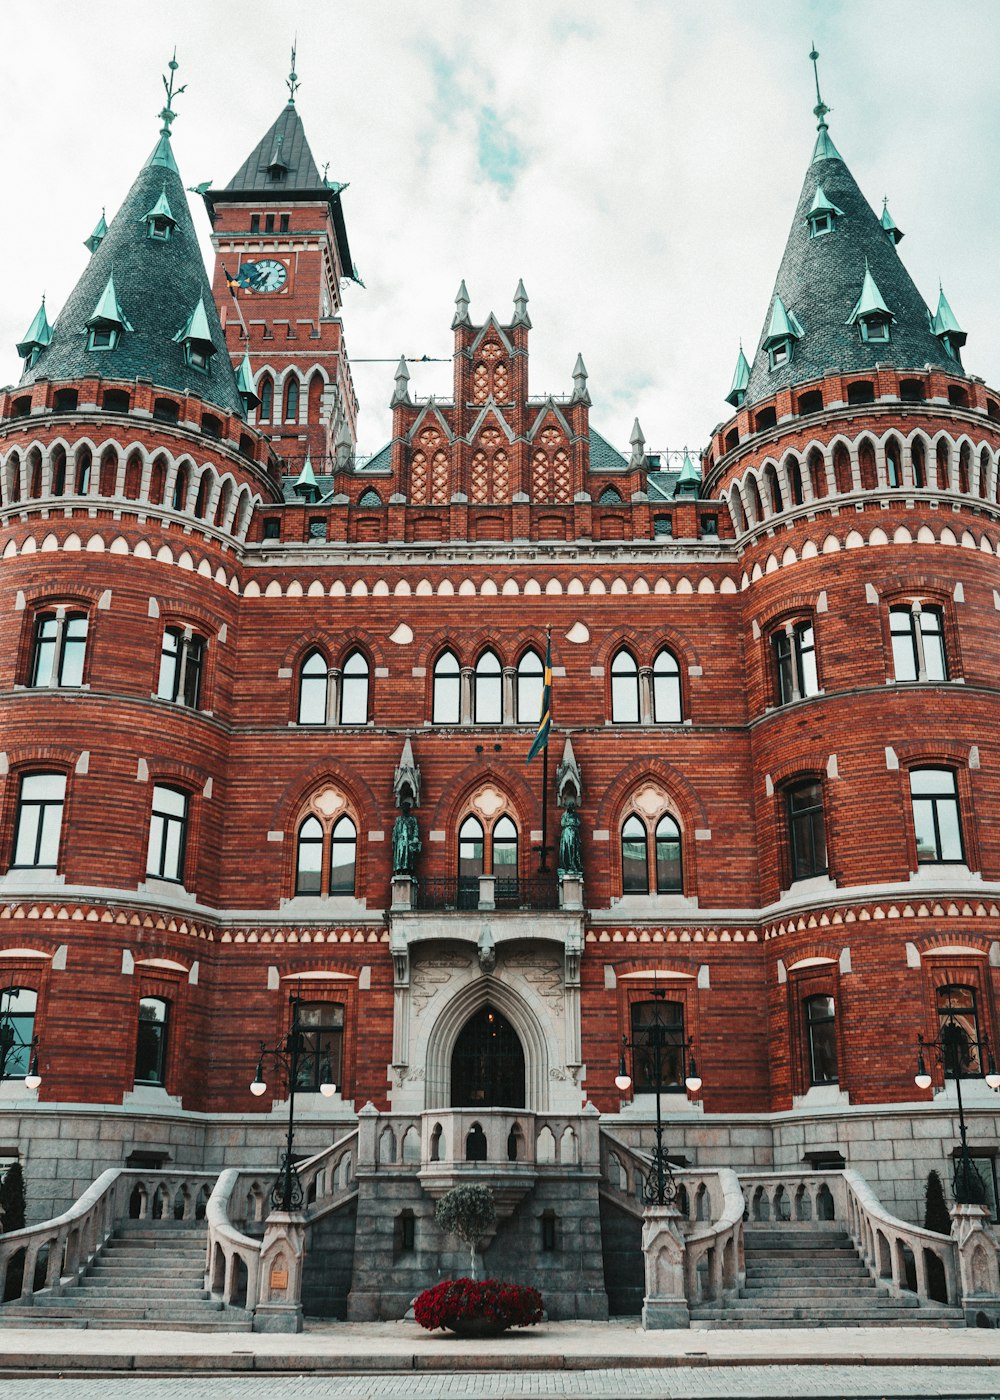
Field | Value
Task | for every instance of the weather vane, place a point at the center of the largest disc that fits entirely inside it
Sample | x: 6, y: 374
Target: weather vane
x: 168, y: 114
x: 821, y: 109
x: 292, y: 81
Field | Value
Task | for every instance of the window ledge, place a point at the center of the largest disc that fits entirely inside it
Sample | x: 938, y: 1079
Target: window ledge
x: 149, y: 1096
x: 975, y: 1090
x: 172, y: 888
x: 30, y: 878
x: 821, y: 1096
x: 15, y: 1089
x: 646, y: 904
x: 671, y: 1105
x: 942, y: 872
x: 323, y: 904
x: 816, y: 884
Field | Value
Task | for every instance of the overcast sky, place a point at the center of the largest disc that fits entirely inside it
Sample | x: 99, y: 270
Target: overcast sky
x: 636, y: 162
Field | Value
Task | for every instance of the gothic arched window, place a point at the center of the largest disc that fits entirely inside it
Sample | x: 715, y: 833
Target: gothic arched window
x: 668, y: 856
x: 309, y: 857
x: 326, y: 848
x: 312, y: 689
x: 446, y: 707
x: 488, y: 701
x: 343, y: 856
x: 505, y: 860
x: 624, y: 688
x: 666, y: 688
x: 354, y: 690
x: 266, y: 408
x: 530, y: 674
x: 635, y: 857
x: 291, y: 413
x: 471, y: 847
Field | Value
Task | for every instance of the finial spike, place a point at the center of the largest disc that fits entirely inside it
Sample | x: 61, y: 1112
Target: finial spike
x: 292, y: 81
x: 821, y: 109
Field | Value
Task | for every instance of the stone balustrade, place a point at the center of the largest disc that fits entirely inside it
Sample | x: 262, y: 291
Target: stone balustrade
x: 899, y: 1256
x: 55, y: 1253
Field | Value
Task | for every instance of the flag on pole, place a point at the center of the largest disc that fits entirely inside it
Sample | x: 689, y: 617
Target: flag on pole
x: 541, y: 739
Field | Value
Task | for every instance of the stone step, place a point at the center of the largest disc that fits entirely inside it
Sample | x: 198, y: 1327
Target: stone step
x: 231, y: 1322
x: 114, y: 1290
x: 782, y: 1287
x: 83, y: 1304
x: 832, y: 1314
x: 700, y: 1321
x: 154, y: 1247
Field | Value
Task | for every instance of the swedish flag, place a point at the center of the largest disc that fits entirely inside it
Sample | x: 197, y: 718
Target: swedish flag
x: 541, y: 739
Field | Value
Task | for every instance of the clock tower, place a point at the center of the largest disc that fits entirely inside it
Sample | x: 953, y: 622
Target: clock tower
x: 281, y: 258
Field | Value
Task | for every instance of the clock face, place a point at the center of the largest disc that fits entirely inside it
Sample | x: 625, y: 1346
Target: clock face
x: 268, y: 275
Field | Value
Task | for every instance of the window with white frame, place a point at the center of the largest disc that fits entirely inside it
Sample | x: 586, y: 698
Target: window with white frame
x: 182, y: 657
x: 39, y: 820
x: 936, y: 822
x: 794, y: 650
x: 918, y: 648
x: 60, y: 648
x: 167, y: 834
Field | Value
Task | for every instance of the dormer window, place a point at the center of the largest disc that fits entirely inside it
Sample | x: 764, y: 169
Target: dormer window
x: 782, y: 333
x: 160, y: 222
x: 105, y: 326
x: 874, y: 328
x: 871, y: 315
x: 196, y: 339
x: 822, y: 215
x: 102, y: 338
x: 196, y: 356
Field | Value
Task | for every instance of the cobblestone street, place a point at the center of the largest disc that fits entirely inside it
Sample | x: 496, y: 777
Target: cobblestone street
x: 684, y: 1382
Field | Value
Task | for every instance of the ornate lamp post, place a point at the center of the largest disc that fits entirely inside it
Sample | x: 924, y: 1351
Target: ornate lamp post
x: 954, y: 1054
x: 288, y: 1054
x: 660, y: 1188
x: 13, y: 1047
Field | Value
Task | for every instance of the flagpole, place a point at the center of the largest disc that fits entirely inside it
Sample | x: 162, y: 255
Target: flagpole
x: 543, y: 867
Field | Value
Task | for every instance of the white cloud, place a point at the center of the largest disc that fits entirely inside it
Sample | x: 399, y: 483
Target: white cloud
x: 636, y: 163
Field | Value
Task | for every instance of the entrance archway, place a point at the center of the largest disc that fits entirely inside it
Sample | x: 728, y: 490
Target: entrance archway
x: 487, y: 1064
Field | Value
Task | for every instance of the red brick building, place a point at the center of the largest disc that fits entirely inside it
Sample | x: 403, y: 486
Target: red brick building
x: 233, y: 647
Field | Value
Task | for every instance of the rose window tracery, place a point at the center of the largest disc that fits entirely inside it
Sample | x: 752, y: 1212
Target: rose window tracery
x: 429, y: 475
x: 490, y: 476
x: 491, y: 374
x: 550, y: 469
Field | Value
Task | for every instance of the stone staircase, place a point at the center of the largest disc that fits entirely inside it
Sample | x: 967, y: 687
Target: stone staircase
x: 150, y: 1274
x: 812, y: 1277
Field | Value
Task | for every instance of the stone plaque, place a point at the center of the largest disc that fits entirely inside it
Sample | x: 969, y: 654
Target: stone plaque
x: 279, y: 1280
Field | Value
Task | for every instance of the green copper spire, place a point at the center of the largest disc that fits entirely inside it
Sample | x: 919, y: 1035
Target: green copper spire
x: 824, y: 148
x: 196, y: 337
x: 887, y: 222
x: 97, y: 237
x: 822, y: 205
x: 107, y: 312
x: 689, y: 480
x: 244, y: 382
x: 306, y: 484
x: 36, y: 337
x: 162, y: 153
x: 945, y: 322
x: 870, y: 302
x: 741, y: 378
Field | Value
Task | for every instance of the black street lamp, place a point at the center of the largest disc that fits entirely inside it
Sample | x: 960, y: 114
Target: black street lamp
x: 13, y: 1047
x: 660, y: 1188
x: 954, y: 1053
x: 288, y: 1054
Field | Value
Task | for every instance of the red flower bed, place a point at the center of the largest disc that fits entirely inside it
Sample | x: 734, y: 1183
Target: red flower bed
x: 462, y: 1300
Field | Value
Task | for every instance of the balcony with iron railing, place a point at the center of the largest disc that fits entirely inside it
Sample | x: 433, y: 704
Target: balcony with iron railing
x: 486, y: 892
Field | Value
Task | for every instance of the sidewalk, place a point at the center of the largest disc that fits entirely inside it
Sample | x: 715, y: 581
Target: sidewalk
x: 369, y: 1348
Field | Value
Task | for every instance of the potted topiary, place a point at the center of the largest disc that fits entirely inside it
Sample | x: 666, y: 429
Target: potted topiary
x: 467, y: 1306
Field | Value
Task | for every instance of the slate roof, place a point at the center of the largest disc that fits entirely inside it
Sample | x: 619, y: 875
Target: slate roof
x: 286, y: 137
x: 820, y: 281
x: 604, y: 457
x: 158, y: 285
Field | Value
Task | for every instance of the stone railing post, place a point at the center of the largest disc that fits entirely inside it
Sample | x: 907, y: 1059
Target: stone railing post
x: 367, y: 1132
x: 665, y: 1303
x: 279, y: 1279
x: 977, y: 1245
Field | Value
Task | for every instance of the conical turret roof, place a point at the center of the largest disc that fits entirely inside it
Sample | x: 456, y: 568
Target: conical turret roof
x: 156, y: 282
x: 818, y: 283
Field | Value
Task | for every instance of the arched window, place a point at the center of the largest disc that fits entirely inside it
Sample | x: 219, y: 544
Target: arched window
x: 354, y: 690
x: 309, y: 857
x: 446, y: 708
x: 666, y: 688
x: 936, y: 821
x: 806, y: 829
x: 624, y: 688
x: 17, y: 1010
x: 343, y: 856
x: 266, y: 400
x: 821, y: 1031
x: 312, y: 689
x: 505, y: 860
x: 179, y: 498
x: 668, y: 856
x: 291, y: 414
x: 488, y: 700
x: 893, y: 463
x: 635, y: 859
x: 530, y: 674
x: 470, y: 862
x: 918, y: 650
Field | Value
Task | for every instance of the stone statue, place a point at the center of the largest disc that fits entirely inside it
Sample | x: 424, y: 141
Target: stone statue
x: 405, y: 841
x: 570, y: 853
